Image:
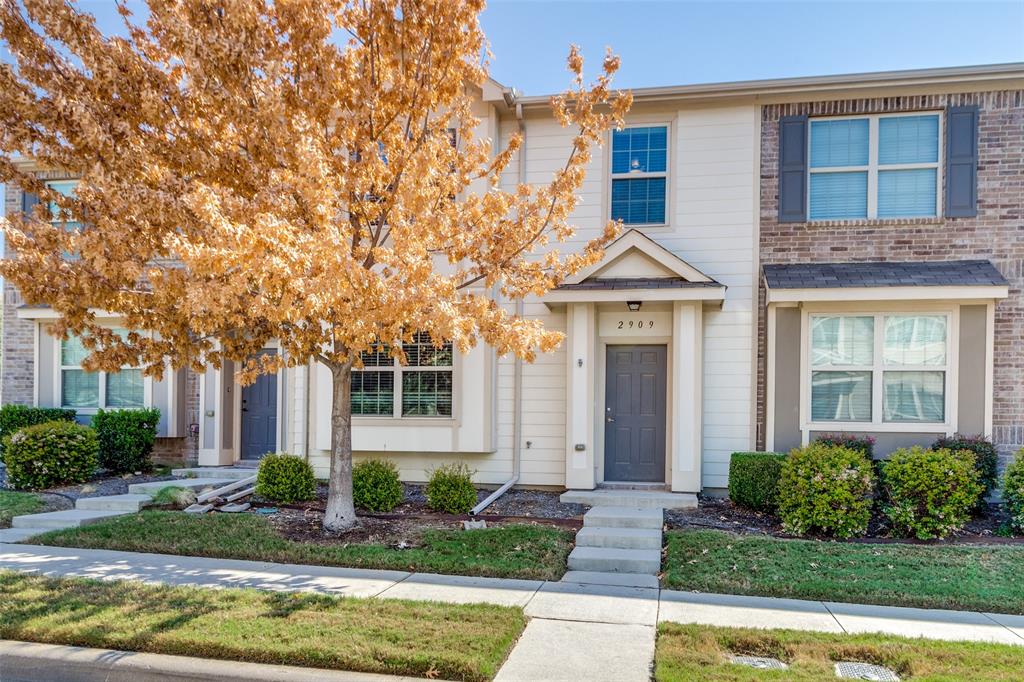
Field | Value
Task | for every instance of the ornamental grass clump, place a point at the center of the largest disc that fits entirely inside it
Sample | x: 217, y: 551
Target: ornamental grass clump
x: 51, y: 454
x: 376, y: 486
x: 1013, y: 492
x: 826, y: 489
x: 450, y: 489
x: 930, y: 493
x: 285, y: 478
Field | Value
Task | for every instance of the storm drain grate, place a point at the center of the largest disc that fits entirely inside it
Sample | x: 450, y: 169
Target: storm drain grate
x: 851, y: 670
x: 759, y: 662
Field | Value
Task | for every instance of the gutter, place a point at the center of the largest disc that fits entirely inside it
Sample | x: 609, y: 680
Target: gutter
x: 517, y: 380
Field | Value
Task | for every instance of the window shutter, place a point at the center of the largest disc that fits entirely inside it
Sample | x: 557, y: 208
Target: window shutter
x: 793, y: 169
x: 962, y: 162
x: 28, y: 202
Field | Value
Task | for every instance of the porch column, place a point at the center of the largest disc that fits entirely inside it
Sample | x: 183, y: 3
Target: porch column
x: 687, y: 379
x: 579, y: 397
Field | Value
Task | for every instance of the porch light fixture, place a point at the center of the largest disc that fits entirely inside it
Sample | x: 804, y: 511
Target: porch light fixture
x: 633, y: 305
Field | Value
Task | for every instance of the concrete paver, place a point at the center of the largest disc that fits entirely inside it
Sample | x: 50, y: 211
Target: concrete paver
x: 931, y: 623
x: 563, y: 651
x: 728, y: 610
x: 457, y: 589
x: 595, y: 603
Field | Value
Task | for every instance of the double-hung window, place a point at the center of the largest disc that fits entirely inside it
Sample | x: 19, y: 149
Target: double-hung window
x: 421, y: 388
x: 83, y: 389
x: 65, y: 188
x: 640, y: 175
x: 879, y: 368
x: 884, y: 166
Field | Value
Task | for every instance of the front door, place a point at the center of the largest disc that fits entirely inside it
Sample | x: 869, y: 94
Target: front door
x: 635, y: 414
x: 259, y: 416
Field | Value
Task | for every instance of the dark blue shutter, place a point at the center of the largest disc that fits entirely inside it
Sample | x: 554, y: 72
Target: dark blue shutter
x: 793, y: 169
x: 28, y: 201
x: 962, y: 161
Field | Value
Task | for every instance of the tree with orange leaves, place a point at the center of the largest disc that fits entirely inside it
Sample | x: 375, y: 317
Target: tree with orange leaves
x: 254, y: 171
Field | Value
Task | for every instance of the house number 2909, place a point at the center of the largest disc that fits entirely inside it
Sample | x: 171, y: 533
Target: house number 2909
x: 636, y: 324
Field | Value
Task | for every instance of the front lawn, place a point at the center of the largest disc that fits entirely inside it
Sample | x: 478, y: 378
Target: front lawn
x: 382, y: 636
x: 512, y: 551
x: 699, y: 652
x: 15, y: 504
x: 966, y: 577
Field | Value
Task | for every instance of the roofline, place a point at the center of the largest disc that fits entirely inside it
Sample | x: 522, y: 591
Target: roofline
x: 781, y: 86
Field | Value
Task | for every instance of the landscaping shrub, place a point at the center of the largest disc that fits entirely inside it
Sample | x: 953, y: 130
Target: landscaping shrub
x: 1013, y: 492
x: 985, y: 454
x: 375, y: 485
x: 50, y: 454
x: 126, y: 438
x: 930, y: 492
x: 862, y: 444
x: 285, y: 478
x: 14, y: 417
x: 826, y: 488
x: 450, y: 489
x: 754, y: 479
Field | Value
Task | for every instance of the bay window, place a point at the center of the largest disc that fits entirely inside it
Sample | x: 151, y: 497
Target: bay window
x: 421, y: 388
x: 82, y: 389
x: 879, y: 368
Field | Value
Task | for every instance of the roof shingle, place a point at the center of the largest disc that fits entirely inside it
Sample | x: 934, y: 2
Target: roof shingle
x: 882, y: 274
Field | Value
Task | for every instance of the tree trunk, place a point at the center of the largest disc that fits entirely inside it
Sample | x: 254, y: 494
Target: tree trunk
x: 341, y: 512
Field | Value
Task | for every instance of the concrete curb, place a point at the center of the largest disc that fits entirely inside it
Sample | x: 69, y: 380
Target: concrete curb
x: 28, y: 662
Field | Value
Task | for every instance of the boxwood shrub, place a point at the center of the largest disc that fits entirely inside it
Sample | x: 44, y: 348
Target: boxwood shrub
x: 285, y: 478
x: 754, y: 479
x: 14, y: 417
x: 1013, y: 492
x: 51, y: 454
x: 126, y: 438
x: 450, y: 489
x: 986, y: 458
x: 930, y: 493
x: 826, y: 489
x: 376, y: 486
x: 862, y: 444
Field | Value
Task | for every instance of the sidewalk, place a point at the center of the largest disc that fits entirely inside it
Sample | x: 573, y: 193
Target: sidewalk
x: 576, y: 631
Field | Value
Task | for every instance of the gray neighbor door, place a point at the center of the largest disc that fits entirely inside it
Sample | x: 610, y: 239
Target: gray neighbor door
x: 635, y: 414
x: 259, y: 417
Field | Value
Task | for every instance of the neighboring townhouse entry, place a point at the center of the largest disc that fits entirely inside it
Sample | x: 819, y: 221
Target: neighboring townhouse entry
x: 259, y: 416
x: 635, y: 414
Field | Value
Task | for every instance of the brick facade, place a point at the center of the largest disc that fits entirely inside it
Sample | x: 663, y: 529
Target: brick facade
x: 996, y: 233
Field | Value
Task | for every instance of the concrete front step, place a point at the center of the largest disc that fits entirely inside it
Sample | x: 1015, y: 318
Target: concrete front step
x: 619, y: 538
x: 118, y: 503
x: 15, y: 535
x: 609, y: 560
x: 623, y: 517
x: 227, y: 473
x: 634, y: 499
x: 613, y: 579
x: 69, y: 518
x: 190, y: 483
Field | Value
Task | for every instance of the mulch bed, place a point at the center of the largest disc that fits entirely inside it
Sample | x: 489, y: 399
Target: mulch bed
x: 721, y: 514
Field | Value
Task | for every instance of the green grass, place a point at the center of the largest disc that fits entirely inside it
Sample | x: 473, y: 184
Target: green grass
x: 15, y: 504
x: 698, y: 652
x: 458, y: 642
x: 513, y: 551
x: 961, y: 577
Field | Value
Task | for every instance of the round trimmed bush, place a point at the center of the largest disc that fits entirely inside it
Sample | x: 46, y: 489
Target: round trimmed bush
x: 826, y: 489
x: 126, y: 438
x: 930, y: 492
x: 376, y: 486
x: 986, y: 456
x: 450, y: 489
x: 285, y: 478
x: 862, y: 444
x: 51, y: 454
x: 1013, y: 492
x: 754, y: 479
x: 14, y: 417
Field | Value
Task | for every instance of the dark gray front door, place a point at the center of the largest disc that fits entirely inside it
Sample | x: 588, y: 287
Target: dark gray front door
x: 635, y: 411
x: 259, y: 417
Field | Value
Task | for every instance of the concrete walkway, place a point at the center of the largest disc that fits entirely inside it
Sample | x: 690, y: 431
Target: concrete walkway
x: 610, y: 628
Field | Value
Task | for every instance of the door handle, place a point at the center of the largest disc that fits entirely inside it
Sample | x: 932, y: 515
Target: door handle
x: 609, y: 419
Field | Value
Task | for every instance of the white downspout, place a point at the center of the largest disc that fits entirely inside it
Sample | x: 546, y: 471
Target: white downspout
x: 517, y: 379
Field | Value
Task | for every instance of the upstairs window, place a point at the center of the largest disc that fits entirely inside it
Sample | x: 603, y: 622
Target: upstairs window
x: 82, y: 389
x: 874, y: 167
x: 421, y: 388
x: 640, y: 175
x: 65, y: 188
